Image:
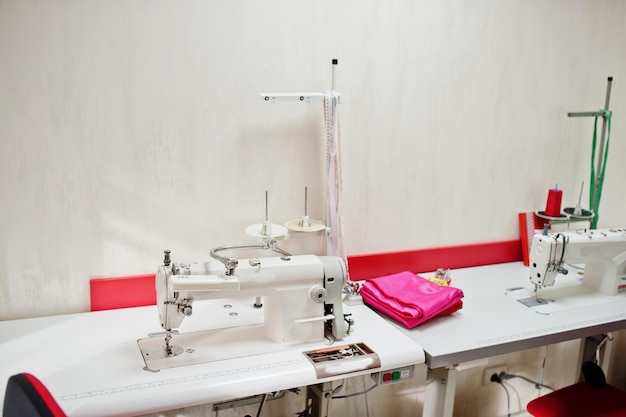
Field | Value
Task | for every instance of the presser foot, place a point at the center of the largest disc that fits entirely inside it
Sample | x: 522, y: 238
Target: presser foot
x: 535, y: 300
x: 151, y: 356
x: 156, y: 353
x: 173, y: 350
x: 168, y: 348
x: 527, y: 298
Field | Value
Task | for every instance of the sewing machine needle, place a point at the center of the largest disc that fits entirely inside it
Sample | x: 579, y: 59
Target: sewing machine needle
x: 168, y: 337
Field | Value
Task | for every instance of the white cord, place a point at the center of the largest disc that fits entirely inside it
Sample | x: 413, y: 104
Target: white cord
x: 543, y: 365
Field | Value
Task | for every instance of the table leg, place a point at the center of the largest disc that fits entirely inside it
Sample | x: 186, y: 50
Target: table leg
x: 440, y: 391
x: 319, y: 397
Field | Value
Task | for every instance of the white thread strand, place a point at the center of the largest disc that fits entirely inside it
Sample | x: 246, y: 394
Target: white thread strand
x: 333, y: 176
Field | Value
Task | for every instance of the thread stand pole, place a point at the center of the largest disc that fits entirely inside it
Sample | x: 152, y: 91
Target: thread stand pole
x: 332, y: 81
x: 605, y: 113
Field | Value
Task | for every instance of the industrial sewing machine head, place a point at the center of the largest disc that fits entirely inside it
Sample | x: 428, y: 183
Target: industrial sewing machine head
x: 603, y: 251
x: 301, y: 295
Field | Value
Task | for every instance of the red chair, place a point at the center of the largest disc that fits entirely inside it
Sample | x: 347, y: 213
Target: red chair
x: 26, y: 396
x: 592, y: 398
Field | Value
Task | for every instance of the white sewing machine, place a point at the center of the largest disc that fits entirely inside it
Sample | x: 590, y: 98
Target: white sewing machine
x: 301, y: 295
x: 603, y: 251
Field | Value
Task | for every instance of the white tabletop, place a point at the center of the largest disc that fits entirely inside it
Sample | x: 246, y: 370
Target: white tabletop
x: 92, y: 364
x: 493, y: 322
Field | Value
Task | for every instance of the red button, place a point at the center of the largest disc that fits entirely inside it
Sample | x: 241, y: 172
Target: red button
x: 386, y: 377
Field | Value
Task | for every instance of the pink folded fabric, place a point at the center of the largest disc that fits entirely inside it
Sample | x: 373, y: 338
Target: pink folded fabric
x: 410, y: 299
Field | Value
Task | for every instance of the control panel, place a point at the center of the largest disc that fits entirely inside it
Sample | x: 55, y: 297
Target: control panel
x: 392, y: 376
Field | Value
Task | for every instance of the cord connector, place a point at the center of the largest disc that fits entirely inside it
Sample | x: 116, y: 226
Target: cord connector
x: 502, y: 376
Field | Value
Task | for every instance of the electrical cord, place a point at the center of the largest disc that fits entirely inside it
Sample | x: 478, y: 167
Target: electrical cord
x: 356, y: 393
x: 502, y: 376
x: 501, y: 379
x: 364, y: 392
x: 334, y: 396
x: 514, y: 389
x: 508, y: 397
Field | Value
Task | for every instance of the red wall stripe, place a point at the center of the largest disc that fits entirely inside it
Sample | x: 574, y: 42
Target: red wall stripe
x: 122, y: 292
x: 363, y: 267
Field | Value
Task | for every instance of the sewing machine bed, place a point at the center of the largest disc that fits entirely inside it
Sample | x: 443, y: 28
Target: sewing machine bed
x: 567, y: 294
x: 212, y: 345
x: 236, y: 331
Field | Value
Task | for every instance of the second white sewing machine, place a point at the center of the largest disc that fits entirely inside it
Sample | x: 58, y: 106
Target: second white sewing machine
x: 602, y: 251
x: 298, y: 296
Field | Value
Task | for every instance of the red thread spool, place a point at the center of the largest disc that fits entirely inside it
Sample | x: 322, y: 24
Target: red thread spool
x: 553, y: 205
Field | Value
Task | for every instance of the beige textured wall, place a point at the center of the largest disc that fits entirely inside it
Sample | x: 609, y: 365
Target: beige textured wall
x: 129, y: 127
x: 132, y: 127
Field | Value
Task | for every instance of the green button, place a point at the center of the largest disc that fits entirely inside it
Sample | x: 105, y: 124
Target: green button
x: 395, y: 376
